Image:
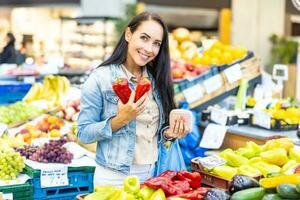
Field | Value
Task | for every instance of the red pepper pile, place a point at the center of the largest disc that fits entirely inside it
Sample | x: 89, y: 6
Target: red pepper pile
x: 121, y: 88
x: 182, y: 184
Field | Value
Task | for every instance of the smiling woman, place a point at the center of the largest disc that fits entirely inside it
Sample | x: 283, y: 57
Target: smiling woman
x: 128, y: 134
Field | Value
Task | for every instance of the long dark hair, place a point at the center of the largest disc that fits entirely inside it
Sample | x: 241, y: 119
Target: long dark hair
x: 159, y: 67
x: 11, y: 39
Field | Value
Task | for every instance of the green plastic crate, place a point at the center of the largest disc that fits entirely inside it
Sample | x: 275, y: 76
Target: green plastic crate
x: 35, y: 173
x: 20, y: 192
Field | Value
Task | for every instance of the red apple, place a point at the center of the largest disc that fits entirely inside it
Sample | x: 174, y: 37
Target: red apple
x: 177, y: 73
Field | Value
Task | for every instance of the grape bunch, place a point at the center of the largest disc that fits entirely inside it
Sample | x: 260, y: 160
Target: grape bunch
x: 11, y: 164
x: 53, y: 152
x: 27, y: 150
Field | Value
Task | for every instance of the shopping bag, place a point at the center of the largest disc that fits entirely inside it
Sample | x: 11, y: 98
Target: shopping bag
x: 169, y: 158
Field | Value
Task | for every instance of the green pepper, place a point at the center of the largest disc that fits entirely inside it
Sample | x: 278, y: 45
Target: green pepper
x: 132, y: 184
x: 145, y: 193
x: 158, y: 195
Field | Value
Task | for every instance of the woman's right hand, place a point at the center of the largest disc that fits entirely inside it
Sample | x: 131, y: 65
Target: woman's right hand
x: 128, y: 111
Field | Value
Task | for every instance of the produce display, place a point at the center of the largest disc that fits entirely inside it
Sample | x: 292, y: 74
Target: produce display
x: 185, y: 58
x: 11, y: 164
x: 18, y: 112
x: 49, y: 126
x: 7, y: 141
x: 168, y: 185
x: 219, y: 54
x: 275, y: 156
x: 70, y: 111
x: 52, y: 90
x: 52, y: 152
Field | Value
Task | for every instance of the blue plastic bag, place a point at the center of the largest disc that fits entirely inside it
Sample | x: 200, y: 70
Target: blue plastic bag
x: 169, y: 158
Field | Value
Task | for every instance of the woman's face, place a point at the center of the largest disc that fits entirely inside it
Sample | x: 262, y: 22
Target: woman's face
x: 144, y: 43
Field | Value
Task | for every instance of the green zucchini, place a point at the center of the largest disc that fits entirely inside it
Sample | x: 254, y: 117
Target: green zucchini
x: 272, y: 197
x: 256, y: 193
x: 288, y: 191
x: 298, y: 188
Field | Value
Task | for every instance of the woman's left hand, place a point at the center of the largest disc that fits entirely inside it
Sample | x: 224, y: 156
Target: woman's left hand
x: 178, y: 129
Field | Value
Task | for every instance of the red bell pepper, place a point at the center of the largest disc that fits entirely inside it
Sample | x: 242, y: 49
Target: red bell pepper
x: 156, y: 182
x: 194, y: 179
x: 143, y: 86
x: 191, y: 195
x: 169, y: 173
x: 175, y: 187
x: 202, y: 190
x: 121, y: 88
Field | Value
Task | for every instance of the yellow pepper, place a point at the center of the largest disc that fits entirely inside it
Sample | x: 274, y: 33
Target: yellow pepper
x: 273, y: 182
x: 233, y: 159
x: 286, y: 143
x: 246, y: 152
x: 276, y: 156
x: 257, y: 148
x: 266, y: 168
x: 225, y: 171
x: 255, y: 159
x: 291, y: 164
x: 249, y: 170
x: 294, y: 154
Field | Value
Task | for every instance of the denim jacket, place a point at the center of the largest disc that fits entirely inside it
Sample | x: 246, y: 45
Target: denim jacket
x: 115, y: 150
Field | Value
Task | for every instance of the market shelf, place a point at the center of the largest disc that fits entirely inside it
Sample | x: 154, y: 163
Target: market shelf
x: 201, y: 104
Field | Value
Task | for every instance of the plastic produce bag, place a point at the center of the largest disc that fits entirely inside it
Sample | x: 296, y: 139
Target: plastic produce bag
x: 169, y: 158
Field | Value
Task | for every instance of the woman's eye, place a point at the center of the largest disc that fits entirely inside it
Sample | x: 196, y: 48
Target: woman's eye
x: 144, y: 38
x: 157, y: 44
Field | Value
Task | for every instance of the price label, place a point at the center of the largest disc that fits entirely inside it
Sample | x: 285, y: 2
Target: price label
x: 193, y: 94
x: 8, y: 196
x: 262, y: 119
x: 3, y: 128
x: 218, y: 116
x: 213, y: 136
x: 233, y: 73
x: 213, y: 83
x: 29, y: 79
x: 210, y: 162
x: 54, y: 176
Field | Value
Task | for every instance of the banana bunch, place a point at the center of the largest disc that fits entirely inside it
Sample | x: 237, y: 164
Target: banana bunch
x: 53, y: 90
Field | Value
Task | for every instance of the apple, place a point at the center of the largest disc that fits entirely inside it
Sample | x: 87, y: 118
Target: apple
x: 177, y: 73
x: 189, y: 66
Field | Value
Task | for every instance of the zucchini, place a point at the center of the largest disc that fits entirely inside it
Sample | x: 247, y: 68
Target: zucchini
x: 256, y: 193
x: 272, y: 197
x: 288, y: 191
x: 298, y: 188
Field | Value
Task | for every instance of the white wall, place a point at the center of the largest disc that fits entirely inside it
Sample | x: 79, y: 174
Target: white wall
x: 253, y: 22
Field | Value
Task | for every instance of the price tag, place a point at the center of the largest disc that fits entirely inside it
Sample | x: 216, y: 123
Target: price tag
x: 29, y: 79
x: 213, y: 136
x: 3, y: 128
x: 218, y: 116
x: 233, y: 73
x: 193, y: 94
x: 54, y: 176
x: 210, y: 162
x: 262, y: 119
x: 8, y: 196
x: 213, y: 83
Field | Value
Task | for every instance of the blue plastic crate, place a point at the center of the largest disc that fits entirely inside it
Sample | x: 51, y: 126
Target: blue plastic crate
x: 12, y: 91
x: 187, y: 83
x: 79, y: 183
x: 250, y: 54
